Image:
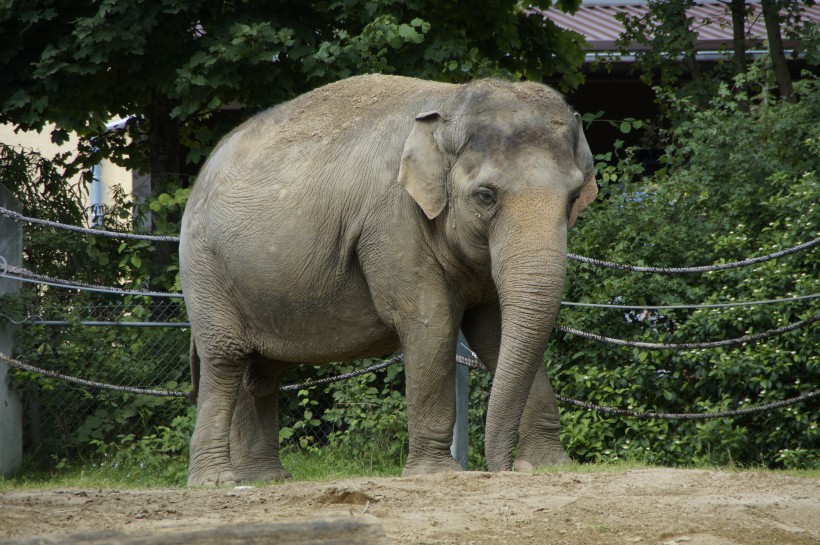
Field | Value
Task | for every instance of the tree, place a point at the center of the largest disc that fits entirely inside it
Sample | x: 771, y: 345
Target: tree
x: 772, y: 19
x: 667, y: 34
x: 184, y: 71
x: 174, y: 64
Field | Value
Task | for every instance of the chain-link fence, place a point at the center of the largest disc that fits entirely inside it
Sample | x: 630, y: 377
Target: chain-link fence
x: 120, y: 343
x: 143, y: 343
x: 132, y: 344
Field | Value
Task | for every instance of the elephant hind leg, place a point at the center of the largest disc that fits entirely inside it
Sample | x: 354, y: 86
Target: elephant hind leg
x: 210, y: 463
x: 255, y: 425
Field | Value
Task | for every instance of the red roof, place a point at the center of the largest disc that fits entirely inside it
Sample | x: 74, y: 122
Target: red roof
x: 711, y: 19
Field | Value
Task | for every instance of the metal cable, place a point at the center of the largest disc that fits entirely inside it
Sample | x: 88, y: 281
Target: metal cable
x: 38, y: 320
x: 690, y: 346
x: 327, y: 380
x: 85, y: 230
x: 698, y: 269
x: 690, y: 307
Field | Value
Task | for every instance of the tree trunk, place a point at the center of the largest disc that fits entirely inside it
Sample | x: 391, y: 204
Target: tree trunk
x: 690, y: 53
x: 738, y: 8
x: 163, y: 139
x: 771, y: 16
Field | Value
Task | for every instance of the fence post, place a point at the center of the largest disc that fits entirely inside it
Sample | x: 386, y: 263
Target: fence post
x: 11, y: 412
x: 461, y: 437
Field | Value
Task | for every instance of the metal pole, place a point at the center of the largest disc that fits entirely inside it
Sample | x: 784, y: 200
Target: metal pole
x: 461, y: 437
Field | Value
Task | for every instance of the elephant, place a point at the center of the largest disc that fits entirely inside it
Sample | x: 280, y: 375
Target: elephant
x: 374, y: 214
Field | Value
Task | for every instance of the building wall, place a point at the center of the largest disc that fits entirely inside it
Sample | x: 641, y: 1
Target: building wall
x: 41, y: 142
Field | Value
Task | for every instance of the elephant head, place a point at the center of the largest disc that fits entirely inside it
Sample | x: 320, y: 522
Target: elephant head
x: 502, y: 170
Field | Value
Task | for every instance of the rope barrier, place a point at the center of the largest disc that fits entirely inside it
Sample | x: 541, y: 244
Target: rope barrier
x: 688, y: 416
x: 698, y: 269
x: 475, y: 364
x: 85, y: 230
x: 90, y: 383
x: 583, y: 259
x: 691, y: 307
x: 472, y: 363
x: 328, y: 380
x: 24, y: 275
x: 690, y: 346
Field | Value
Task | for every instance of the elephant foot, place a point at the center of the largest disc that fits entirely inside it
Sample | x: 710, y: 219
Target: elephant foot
x: 528, y: 464
x: 212, y: 479
x: 427, y: 466
x: 270, y: 474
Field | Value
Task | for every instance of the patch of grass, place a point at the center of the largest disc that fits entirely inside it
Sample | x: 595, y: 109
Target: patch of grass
x: 329, y: 463
x: 93, y: 476
x: 316, y: 465
x: 627, y: 465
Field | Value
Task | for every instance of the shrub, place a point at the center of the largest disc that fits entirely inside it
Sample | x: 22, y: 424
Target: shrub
x: 735, y: 183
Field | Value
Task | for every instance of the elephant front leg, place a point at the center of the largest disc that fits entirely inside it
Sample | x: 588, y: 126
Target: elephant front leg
x: 255, y: 426
x: 539, y: 443
x: 210, y: 461
x: 429, y: 363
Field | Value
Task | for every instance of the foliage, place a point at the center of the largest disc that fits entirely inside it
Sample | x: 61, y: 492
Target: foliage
x: 64, y: 419
x: 666, y: 32
x: 160, y: 457
x: 365, y: 413
x: 739, y: 179
x: 178, y: 63
x: 736, y: 183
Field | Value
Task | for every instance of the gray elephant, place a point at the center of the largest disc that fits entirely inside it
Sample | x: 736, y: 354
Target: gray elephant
x: 375, y: 214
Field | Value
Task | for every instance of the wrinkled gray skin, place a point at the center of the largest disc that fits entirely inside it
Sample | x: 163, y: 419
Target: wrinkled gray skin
x: 375, y: 214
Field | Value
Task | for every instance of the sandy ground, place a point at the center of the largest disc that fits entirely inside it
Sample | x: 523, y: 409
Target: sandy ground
x: 647, y: 506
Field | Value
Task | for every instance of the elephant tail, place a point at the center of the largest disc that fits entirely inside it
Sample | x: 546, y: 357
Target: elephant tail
x: 194, y: 360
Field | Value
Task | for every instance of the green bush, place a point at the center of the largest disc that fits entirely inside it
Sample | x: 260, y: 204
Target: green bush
x: 734, y: 184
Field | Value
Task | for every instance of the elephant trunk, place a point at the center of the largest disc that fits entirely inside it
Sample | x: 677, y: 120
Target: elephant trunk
x: 528, y: 269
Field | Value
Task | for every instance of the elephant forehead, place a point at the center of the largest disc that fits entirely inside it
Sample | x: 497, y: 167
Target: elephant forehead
x: 510, y: 131
x: 526, y: 148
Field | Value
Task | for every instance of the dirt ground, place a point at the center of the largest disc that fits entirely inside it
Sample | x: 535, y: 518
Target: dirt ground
x: 647, y: 506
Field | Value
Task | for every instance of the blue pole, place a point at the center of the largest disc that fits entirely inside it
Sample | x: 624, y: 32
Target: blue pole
x: 461, y: 436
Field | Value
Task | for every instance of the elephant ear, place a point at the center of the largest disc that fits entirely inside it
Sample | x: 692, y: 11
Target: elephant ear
x: 583, y: 159
x: 422, y: 170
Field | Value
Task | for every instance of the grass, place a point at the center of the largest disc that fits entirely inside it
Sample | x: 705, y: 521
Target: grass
x: 329, y: 464
x: 626, y: 465
x: 320, y: 465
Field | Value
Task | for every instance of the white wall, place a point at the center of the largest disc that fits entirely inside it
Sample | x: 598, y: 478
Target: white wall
x: 111, y: 174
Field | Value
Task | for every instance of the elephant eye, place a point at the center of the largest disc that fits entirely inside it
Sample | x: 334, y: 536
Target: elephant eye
x: 485, y: 195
